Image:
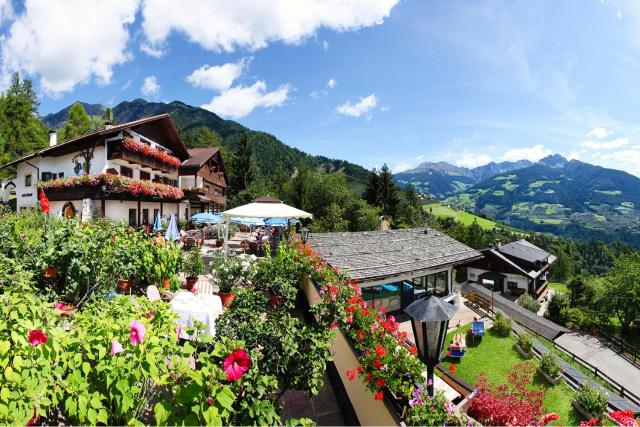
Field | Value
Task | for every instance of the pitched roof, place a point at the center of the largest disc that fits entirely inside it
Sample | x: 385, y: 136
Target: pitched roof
x: 524, y: 250
x: 102, y: 132
x: 378, y: 255
x: 199, y: 156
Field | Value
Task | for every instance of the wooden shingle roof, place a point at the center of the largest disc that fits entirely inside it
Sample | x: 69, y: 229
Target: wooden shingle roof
x: 375, y: 255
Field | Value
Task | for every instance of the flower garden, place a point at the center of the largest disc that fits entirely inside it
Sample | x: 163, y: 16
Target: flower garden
x: 115, y: 183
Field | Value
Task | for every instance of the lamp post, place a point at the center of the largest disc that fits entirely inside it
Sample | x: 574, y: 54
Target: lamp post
x: 429, y: 320
x: 304, y: 234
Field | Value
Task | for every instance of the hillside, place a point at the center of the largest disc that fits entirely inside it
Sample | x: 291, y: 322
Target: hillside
x: 443, y: 179
x: 265, y: 146
x: 465, y: 218
x: 569, y: 198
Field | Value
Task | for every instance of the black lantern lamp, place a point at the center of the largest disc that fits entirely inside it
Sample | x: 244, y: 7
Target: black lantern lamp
x: 429, y: 320
x: 304, y: 234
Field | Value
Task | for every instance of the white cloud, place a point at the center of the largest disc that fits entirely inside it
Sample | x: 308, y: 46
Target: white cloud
x: 385, y: 108
x: 331, y: 83
x: 6, y: 10
x: 152, y: 51
x: 471, y: 160
x: 239, y: 101
x: 316, y: 94
x: 362, y: 107
x: 67, y: 42
x: 150, y: 86
x: 628, y: 158
x: 574, y: 155
x: 220, y: 25
x: 599, y: 133
x: 325, y: 45
x: 401, y: 167
x: 534, y: 153
x: 218, y: 77
x: 126, y: 85
x: 604, y: 145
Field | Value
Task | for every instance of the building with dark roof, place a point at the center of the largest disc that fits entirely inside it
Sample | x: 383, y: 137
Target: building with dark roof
x: 203, y: 178
x: 395, y: 267
x: 515, y: 268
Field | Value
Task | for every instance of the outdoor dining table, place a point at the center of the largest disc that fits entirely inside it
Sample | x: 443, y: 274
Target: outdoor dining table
x: 202, y: 308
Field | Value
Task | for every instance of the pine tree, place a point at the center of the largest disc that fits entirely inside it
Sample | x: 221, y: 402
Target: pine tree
x: 201, y: 136
x: 108, y: 116
x: 372, y: 191
x: 20, y: 127
x: 79, y: 123
x: 244, y: 168
x: 388, y: 196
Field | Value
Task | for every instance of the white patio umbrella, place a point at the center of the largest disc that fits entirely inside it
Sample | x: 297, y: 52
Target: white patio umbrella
x: 264, y: 207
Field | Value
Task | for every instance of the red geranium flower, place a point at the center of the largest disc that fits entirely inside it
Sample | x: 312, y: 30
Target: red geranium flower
x: 380, y: 351
x: 378, y: 396
x: 351, y: 374
x: 236, y: 364
x: 413, y: 350
x: 380, y: 382
x: 37, y: 337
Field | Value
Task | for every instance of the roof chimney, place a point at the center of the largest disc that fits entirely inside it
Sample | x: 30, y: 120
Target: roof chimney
x: 498, y: 244
x: 108, y: 125
x: 53, y: 138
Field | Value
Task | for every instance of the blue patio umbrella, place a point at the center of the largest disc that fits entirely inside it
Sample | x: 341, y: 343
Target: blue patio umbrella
x: 207, y: 217
x: 279, y: 222
x: 253, y: 222
x: 172, y: 230
x: 157, y: 223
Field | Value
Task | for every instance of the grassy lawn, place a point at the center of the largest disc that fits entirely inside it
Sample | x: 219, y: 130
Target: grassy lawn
x: 559, y: 287
x: 462, y: 216
x: 495, y: 356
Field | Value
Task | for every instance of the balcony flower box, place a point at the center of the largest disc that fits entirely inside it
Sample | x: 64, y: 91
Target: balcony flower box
x: 146, y: 150
x: 115, y: 183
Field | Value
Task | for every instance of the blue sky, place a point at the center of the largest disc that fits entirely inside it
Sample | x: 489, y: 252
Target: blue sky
x: 370, y: 81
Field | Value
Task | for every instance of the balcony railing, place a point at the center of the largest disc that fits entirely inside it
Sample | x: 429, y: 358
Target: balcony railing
x: 117, y: 151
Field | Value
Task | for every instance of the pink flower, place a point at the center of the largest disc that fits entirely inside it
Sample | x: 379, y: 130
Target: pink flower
x: 59, y: 306
x: 116, y: 347
x: 236, y: 364
x: 351, y: 374
x: 136, y: 332
x: 37, y: 337
x: 178, y: 332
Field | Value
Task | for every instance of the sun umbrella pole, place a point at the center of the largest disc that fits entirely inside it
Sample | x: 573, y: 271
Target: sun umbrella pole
x: 225, y: 225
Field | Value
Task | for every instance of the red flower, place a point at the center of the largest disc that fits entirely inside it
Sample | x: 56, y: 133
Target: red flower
x: 378, y: 396
x: 380, y: 382
x: 377, y: 363
x: 360, y: 334
x: 236, y: 364
x: 37, y: 337
x: 452, y: 368
x: 413, y: 350
x: 369, y: 377
x: 380, y: 351
x: 351, y: 374
x: 360, y: 369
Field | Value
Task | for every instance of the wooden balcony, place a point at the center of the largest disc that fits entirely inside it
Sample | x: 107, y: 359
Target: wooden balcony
x: 117, y: 152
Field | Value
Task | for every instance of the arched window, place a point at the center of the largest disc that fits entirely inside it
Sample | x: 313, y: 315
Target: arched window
x: 68, y: 210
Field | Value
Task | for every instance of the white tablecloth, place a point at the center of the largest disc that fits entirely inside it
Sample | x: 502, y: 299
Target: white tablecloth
x: 202, y: 308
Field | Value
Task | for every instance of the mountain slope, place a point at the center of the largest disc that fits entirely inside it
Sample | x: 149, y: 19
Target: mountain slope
x: 570, y: 198
x: 443, y: 179
x: 56, y: 120
x: 269, y: 150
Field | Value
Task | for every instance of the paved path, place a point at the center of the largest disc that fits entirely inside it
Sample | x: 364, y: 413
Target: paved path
x: 609, y: 362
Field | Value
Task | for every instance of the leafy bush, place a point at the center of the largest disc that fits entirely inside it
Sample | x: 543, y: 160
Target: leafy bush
x: 279, y: 275
x: 549, y: 364
x: 193, y: 263
x: 502, y: 325
x: 512, y: 404
x: 231, y: 272
x: 528, y: 302
x: 524, y: 341
x: 592, y: 399
x: 558, y: 302
x: 432, y: 411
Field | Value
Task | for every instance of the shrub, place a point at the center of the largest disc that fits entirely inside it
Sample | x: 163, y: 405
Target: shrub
x: 193, y: 264
x: 556, y: 304
x: 502, y: 324
x: 592, y: 399
x: 549, y: 364
x: 432, y: 411
x: 231, y: 272
x: 279, y: 275
x: 508, y: 404
x: 524, y: 341
x: 528, y: 302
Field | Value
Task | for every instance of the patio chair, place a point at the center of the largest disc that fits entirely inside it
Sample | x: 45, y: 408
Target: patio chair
x: 203, y: 288
x: 456, y: 352
x: 153, y: 293
x: 477, y: 330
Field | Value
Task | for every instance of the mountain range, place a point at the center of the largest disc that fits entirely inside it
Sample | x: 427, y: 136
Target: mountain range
x: 443, y: 179
x: 269, y: 151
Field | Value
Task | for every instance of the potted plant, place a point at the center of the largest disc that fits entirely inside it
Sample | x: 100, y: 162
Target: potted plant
x: 165, y: 264
x: 229, y: 273
x: 590, y: 402
x: 193, y: 266
x: 524, y: 345
x: 275, y: 278
x: 123, y: 262
x: 550, y: 369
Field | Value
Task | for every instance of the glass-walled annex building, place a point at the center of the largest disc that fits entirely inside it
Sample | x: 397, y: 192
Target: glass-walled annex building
x: 396, y: 267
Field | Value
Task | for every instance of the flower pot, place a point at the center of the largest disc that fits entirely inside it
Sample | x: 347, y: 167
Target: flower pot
x: 191, y: 282
x: 124, y: 286
x: 50, y: 272
x: 166, y: 283
x: 227, y: 298
x: 523, y: 353
x: 550, y: 379
x: 276, y: 300
x: 582, y: 411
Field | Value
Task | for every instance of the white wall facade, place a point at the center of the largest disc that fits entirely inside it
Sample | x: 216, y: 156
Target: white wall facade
x: 522, y: 282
